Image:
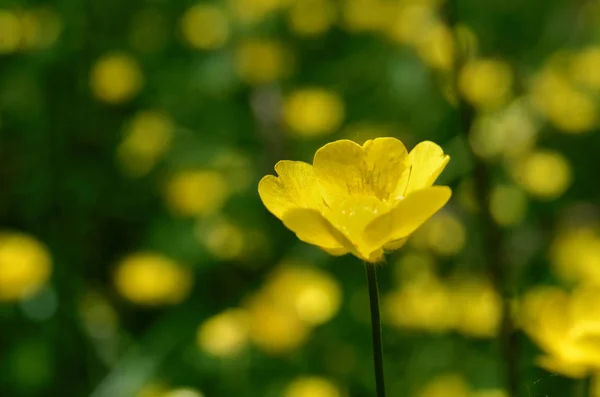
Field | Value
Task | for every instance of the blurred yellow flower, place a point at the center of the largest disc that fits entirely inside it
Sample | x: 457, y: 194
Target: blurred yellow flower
x: 25, y: 266
x: 274, y: 330
x: 222, y: 238
x: 585, y: 67
x: 116, y: 78
x: 262, y: 61
x: 358, y: 199
x: 224, y: 335
x: 147, y: 278
x: 567, y: 108
x: 364, y: 15
x: 566, y: 327
x: 311, y: 17
x: 447, y: 385
x: 444, y: 234
x: 205, y: 26
x: 312, y: 294
x: 196, y: 192
x: 313, y: 112
x: 509, y: 131
x: 422, y: 303
x: 543, y: 173
x: 486, y: 83
x: 146, y: 138
x: 41, y: 28
x: 508, y: 205
x: 312, y: 386
x: 436, y: 46
x: 414, y: 265
x: 480, y: 307
x: 254, y: 11
x: 410, y: 22
x: 11, y: 32
x: 575, y: 254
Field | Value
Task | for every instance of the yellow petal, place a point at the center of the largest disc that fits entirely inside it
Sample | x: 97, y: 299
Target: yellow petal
x: 395, y: 245
x: 339, y: 168
x: 427, y: 162
x: 563, y: 367
x: 387, y: 159
x: 344, y: 167
x: 296, y: 187
x: 407, y: 216
x: 311, y: 227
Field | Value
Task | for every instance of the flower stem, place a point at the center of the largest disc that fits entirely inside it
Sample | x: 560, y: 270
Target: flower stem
x: 375, y: 328
x: 499, y: 271
x: 584, y: 387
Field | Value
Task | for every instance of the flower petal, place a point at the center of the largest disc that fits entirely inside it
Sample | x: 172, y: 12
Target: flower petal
x: 427, y: 162
x: 387, y: 159
x: 296, y: 187
x: 344, y: 167
x: 339, y: 168
x: 312, y: 227
x: 395, y: 245
x: 407, y: 216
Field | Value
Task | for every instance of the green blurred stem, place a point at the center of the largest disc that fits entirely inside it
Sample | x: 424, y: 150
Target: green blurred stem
x: 375, y: 327
x: 499, y: 271
x: 583, y: 387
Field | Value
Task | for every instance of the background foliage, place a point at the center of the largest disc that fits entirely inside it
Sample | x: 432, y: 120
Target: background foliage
x: 137, y: 260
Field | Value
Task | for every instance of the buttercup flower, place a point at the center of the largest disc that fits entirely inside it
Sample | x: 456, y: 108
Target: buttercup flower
x: 358, y: 199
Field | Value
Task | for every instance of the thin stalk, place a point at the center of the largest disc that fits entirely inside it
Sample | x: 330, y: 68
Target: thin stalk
x: 583, y: 387
x: 375, y: 328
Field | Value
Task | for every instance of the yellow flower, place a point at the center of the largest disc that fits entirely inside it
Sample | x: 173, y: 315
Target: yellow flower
x: 312, y: 386
x: 25, y: 266
x: 543, y: 173
x: 205, y: 27
x: 358, y: 199
x: 11, y: 32
x: 566, y: 327
x: 196, y: 192
x: 116, y: 78
x: 262, y: 61
x: 224, y: 335
x: 446, y: 385
x: 151, y: 279
x: 486, y: 83
x: 313, y: 112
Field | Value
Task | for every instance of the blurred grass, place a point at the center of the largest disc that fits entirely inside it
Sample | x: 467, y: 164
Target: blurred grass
x: 140, y: 130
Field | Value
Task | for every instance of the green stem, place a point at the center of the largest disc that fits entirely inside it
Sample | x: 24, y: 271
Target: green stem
x: 584, y: 387
x: 375, y: 328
